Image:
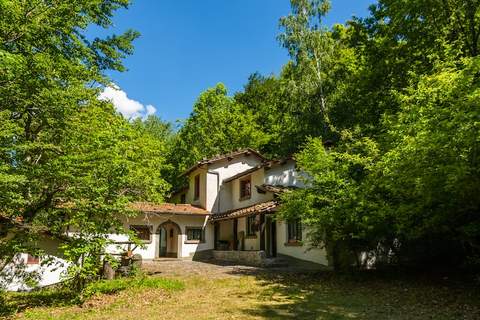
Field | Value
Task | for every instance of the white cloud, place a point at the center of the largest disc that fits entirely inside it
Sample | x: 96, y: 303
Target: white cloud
x: 150, y: 110
x: 129, y: 108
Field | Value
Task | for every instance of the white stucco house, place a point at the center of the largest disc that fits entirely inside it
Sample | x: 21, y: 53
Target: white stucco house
x: 227, y: 211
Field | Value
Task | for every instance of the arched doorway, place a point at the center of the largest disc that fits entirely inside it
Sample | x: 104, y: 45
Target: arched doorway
x: 169, y: 245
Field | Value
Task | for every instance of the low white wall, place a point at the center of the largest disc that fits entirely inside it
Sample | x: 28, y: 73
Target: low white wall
x: 48, y: 274
x: 304, y: 252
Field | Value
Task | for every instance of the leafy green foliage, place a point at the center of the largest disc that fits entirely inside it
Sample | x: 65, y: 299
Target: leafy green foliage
x: 68, y: 162
x: 336, y: 204
x: 417, y: 199
x: 432, y: 168
x: 402, y: 177
x: 217, y: 125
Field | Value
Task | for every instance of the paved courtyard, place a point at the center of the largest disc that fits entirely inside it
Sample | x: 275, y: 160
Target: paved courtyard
x: 214, y: 269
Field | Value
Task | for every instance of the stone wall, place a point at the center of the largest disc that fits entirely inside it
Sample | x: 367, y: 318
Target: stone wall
x: 255, y: 258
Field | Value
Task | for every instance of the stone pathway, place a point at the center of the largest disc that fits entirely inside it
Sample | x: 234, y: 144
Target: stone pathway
x: 214, y: 269
x: 220, y: 269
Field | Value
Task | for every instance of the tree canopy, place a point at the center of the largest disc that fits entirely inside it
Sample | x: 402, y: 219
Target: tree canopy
x: 67, y: 160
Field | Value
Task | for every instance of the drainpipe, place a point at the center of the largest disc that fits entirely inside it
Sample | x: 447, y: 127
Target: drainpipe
x: 218, y: 187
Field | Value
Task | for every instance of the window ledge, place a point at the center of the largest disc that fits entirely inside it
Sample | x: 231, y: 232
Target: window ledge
x: 251, y: 237
x: 294, y: 244
x: 192, y: 241
x: 245, y: 198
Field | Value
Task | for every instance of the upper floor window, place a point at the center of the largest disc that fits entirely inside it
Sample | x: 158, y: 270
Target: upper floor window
x: 294, y: 231
x: 142, y: 232
x: 196, y: 190
x: 245, y: 188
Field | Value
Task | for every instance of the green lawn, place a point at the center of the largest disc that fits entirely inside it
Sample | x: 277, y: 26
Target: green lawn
x: 261, y: 296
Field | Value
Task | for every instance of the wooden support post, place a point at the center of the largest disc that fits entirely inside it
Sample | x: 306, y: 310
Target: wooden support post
x: 262, y: 231
x: 216, y: 230
x: 235, y: 234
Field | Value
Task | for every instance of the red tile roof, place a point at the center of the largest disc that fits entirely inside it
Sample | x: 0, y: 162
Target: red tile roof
x: 269, y: 206
x: 275, y: 189
x: 170, y: 208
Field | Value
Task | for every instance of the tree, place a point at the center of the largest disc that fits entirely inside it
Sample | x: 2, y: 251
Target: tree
x: 273, y: 109
x: 155, y: 127
x: 216, y: 125
x: 337, y: 204
x: 311, y: 47
x: 432, y: 169
x: 396, y: 44
x: 403, y: 172
x: 66, y: 159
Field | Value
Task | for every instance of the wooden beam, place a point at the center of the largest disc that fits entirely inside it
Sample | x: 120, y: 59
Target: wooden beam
x: 262, y: 231
x: 235, y: 234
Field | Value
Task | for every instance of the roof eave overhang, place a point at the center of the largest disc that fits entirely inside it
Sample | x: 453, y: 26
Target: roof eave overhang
x: 177, y: 213
x: 232, y: 215
x: 229, y: 157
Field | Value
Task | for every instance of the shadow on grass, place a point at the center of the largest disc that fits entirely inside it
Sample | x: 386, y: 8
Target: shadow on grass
x: 370, y: 295
x: 303, y: 296
x: 12, y: 303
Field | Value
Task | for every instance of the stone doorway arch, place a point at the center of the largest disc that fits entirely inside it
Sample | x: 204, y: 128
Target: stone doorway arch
x: 169, y: 243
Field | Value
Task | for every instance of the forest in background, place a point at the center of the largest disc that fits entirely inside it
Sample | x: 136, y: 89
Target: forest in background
x: 381, y: 112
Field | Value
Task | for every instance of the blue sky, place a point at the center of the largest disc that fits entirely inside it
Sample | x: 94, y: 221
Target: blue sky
x: 188, y: 46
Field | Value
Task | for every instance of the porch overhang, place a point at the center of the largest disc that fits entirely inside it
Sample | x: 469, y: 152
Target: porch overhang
x: 264, y: 207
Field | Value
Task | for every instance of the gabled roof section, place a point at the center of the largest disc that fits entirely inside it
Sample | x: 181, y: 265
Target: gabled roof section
x: 269, y: 206
x: 228, y: 156
x: 169, y: 208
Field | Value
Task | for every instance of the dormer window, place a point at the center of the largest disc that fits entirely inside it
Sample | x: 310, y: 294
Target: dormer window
x: 245, y: 188
x: 196, y: 194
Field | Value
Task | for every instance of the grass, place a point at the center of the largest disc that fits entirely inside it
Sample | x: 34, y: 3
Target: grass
x: 121, y: 284
x: 49, y: 303
x: 264, y: 296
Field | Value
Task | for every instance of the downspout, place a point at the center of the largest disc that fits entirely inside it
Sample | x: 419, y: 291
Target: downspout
x: 218, y: 187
